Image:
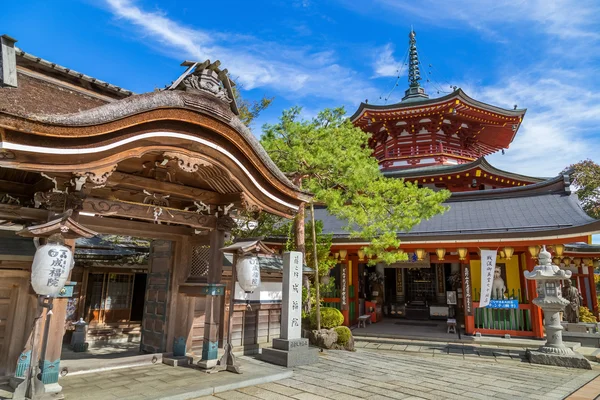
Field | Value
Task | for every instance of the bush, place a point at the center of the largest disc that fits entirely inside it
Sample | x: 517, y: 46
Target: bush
x: 344, y: 335
x: 585, y: 315
x: 330, y: 318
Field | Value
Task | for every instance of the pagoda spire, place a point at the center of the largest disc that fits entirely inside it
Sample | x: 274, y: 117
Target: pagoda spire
x: 414, y: 92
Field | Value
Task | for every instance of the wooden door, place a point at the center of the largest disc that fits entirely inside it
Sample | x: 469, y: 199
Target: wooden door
x: 14, y: 317
x: 154, y: 323
x: 109, y: 297
x: 117, y: 302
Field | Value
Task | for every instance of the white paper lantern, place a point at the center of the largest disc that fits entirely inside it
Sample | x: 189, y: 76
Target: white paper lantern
x: 248, y: 273
x: 50, y: 269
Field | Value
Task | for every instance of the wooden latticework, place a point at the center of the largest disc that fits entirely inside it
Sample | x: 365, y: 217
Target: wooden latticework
x: 200, y: 260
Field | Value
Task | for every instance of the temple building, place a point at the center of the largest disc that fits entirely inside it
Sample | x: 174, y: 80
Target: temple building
x: 441, y: 143
x: 165, y: 173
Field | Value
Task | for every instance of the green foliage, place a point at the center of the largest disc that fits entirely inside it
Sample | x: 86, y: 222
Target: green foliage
x: 332, y: 159
x: 324, y: 261
x: 344, y: 335
x: 586, y: 177
x: 249, y: 110
x: 254, y: 225
x: 585, y: 315
x: 330, y: 318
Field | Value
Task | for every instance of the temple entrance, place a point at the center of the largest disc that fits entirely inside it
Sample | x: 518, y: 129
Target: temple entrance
x: 416, y: 293
x: 420, y: 285
x: 114, y: 275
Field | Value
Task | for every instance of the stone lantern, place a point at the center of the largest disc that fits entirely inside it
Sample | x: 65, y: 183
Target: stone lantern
x: 548, y: 278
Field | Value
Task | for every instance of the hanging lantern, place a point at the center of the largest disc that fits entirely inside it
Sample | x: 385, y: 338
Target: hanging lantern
x: 559, y: 249
x: 420, y: 254
x: 577, y: 261
x: 502, y: 254
x: 596, y: 263
x: 336, y: 255
x: 534, y: 251
x: 361, y: 254
x: 440, y: 253
x: 567, y: 261
x: 50, y: 269
x: 509, y: 251
x: 343, y: 254
x: 248, y: 272
x: 556, y: 261
x: 462, y: 253
x: 586, y: 261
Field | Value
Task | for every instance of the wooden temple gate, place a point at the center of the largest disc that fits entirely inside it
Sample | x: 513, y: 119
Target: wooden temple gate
x: 173, y: 166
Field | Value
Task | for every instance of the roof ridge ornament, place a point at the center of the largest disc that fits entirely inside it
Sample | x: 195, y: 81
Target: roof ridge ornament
x: 414, y: 92
x: 208, y: 78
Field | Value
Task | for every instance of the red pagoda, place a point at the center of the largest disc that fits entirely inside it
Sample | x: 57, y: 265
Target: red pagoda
x: 447, y: 131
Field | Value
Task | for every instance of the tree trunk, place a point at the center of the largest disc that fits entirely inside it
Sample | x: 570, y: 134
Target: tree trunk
x: 315, y: 265
x: 299, y: 230
x: 299, y: 223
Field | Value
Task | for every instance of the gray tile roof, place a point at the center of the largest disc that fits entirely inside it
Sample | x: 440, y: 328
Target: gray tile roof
x: 496, y: 214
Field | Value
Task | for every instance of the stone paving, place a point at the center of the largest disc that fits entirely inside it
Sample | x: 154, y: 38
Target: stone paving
x: 386, y: 374
x: 376, y: 371
x: 160, y: 381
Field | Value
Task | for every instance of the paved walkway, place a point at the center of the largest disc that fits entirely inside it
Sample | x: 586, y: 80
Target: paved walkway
x: 163, y: 382
x: 384, y: 374
x: 364, y: 374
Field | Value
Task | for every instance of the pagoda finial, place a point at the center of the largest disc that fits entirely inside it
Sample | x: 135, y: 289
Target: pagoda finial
x: 415, y: 91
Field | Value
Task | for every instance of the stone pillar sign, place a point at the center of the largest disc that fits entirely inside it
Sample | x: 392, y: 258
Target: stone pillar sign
x: 291, y: 350
x: 291, y: 312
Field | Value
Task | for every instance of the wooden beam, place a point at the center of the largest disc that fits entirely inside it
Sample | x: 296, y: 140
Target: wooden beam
x: 147, y: 213
x: 113, y: 226
x: 18, y: 213
x: 119, y: 179
x: 15, y: 188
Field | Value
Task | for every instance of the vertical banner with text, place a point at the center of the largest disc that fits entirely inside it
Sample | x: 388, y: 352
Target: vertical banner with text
x: 291, y: 313
x: 488, y: 265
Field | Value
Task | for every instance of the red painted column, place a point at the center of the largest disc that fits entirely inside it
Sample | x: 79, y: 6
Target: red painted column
x: 537, y: 321
x: 593, y: 293
x: 354, y: 282
x: 467, y: 288
x: 344, y: 285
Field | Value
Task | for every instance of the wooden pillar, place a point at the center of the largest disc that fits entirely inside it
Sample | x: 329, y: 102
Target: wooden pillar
x: 537, y: 321
x: 51, y: 368
x: 182, y: 306
x: 214, y: 296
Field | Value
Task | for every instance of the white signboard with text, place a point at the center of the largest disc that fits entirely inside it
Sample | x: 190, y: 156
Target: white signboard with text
x: 488, y: 265
x: 291, y: 307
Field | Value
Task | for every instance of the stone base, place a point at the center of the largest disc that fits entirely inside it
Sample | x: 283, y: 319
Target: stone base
x: 177, y: 361
x: 574, y: 360
x: 290, y: 353
x: 207, y: 364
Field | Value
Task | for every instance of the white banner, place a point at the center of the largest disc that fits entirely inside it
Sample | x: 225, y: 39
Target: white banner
x: 488, y: 265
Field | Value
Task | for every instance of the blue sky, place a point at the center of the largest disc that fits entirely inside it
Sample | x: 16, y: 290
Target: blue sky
x: 541, y: 55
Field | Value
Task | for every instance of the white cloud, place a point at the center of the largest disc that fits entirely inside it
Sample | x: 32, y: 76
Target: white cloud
x: 566, y: 19
x: 561, y: 124
x: 386, y: 64
x: 293, y: 72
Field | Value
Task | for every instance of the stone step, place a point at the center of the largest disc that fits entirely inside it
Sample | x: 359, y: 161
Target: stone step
x: 290, y: 358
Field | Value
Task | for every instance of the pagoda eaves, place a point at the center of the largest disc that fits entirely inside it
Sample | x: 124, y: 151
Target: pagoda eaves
x: 449, y: 130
